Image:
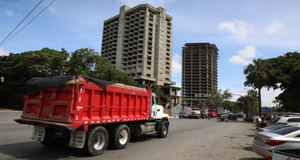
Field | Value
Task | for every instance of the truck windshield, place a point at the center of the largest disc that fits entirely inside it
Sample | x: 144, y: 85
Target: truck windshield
x: 153, y: 98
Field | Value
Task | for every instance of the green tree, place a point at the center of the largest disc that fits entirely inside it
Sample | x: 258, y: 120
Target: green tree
x: 257, y: 77
x: 163, y: 99
x: 249, y: 103
x: 231, y: 106
x: 18, y: 68
x: 83, y: 61
x: 217, y: 98
x: 285, y: 74
x: 89, y: 62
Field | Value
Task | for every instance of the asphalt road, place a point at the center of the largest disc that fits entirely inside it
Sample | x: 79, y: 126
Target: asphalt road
x: 187, y: 140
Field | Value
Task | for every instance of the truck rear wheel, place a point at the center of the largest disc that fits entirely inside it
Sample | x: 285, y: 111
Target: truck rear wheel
x: 47, y: 141
x: 164, y: 129
x: 96, y: 141
x: 120, y: 136
x: 52, y: 140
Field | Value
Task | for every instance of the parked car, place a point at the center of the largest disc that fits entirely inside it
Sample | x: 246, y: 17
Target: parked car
x: 195, y: 113
x: 264, y: 120
x: 278, y: 126
x: 278, y: 119
x: 183, y: 115
x: 223, y: 117
x: 212, y: 112
x: 273, y: 127
x: 287, y: 137
x: 239, y: 115
x: 232, y: 116
x: 285, y: 154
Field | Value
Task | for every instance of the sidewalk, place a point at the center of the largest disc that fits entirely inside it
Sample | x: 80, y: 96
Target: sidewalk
x: 9, y: 110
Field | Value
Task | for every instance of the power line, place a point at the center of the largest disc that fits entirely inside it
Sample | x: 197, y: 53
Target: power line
x: 21, y: 22
x: 30, y: 21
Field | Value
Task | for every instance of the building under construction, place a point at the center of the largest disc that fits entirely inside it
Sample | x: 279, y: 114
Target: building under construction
x: 138, y: 42
x: 199, y: 72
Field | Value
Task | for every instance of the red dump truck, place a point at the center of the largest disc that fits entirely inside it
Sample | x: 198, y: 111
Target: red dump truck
x: 90, y: 114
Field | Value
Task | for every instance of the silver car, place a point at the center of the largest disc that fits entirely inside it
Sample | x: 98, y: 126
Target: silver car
x: 272, y: 127
x: 287, y: 137
x: 278, y: 126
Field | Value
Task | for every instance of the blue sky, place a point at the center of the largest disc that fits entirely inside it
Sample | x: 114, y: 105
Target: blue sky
x: 241, y: 29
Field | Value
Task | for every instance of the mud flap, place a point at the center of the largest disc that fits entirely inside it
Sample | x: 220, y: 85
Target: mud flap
x: 38, y: 133
x: 77, y: 139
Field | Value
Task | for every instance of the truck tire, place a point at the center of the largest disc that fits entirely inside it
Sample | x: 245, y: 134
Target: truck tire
x: 96, y: 141
x: 52, y: 140
x: 120, y: 137
x: 164, y: 129
x: 47, y: 141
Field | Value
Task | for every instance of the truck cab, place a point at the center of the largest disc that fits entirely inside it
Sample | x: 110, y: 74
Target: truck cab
x: 195, y: 113
x: 157, y: 111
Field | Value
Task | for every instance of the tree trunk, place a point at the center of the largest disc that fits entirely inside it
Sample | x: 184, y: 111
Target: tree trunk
x: 259, y: 105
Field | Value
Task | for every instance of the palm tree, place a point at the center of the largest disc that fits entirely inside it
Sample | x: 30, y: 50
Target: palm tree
x: 244, y: 103
x: 257, y: 77
x: 248, y: 103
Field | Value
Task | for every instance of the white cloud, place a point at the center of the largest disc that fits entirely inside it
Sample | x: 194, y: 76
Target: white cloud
x: 267, y: 96
x: 248, y: 52
x: 238, y: 29
x: 239, y: 60
x: 3, y: 52
x: 274, y: 28
x: 9, y: 13
x: 244, y: 56
x: 176, y: 64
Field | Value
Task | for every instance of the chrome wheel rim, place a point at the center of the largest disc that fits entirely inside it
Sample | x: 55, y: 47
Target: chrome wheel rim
x: 99, y: 141
x: 123, y: 137
x: 164, y: 130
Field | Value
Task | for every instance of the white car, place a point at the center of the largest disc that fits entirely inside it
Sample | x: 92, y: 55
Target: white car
x: 285, y: 119
x: 287, y: 137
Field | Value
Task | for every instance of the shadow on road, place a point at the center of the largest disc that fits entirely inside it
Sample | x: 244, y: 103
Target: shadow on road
x: 141, y: 138
x: 248, y: 148
x: 36, y: 151
x: 33, y: 150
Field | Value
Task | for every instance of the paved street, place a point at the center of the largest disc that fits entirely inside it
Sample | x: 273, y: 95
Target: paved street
x: 187, y: 140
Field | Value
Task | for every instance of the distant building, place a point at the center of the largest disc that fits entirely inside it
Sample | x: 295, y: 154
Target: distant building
x: 138, y: 42
x: 199, y: 72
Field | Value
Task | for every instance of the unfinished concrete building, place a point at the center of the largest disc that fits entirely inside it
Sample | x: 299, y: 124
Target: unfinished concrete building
x: 138, y: 42
x: 199, y: 72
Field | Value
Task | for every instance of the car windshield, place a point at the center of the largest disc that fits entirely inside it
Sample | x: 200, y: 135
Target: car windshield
x: 274, y: 120
x: 286, y: 130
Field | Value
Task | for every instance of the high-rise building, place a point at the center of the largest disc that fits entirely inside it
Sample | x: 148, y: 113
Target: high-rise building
x: 138, y: 42
x: 199, y: 72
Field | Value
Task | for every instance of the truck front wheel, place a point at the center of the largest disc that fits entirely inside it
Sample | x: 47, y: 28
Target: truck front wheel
x: 164, y: 129
x: 96, y: 141
x: 120, y: 136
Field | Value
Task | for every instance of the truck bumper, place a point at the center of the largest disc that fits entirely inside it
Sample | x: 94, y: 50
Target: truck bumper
x: 44, y: 123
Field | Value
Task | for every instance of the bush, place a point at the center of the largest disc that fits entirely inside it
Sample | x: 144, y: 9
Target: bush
x: 248, y: 119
